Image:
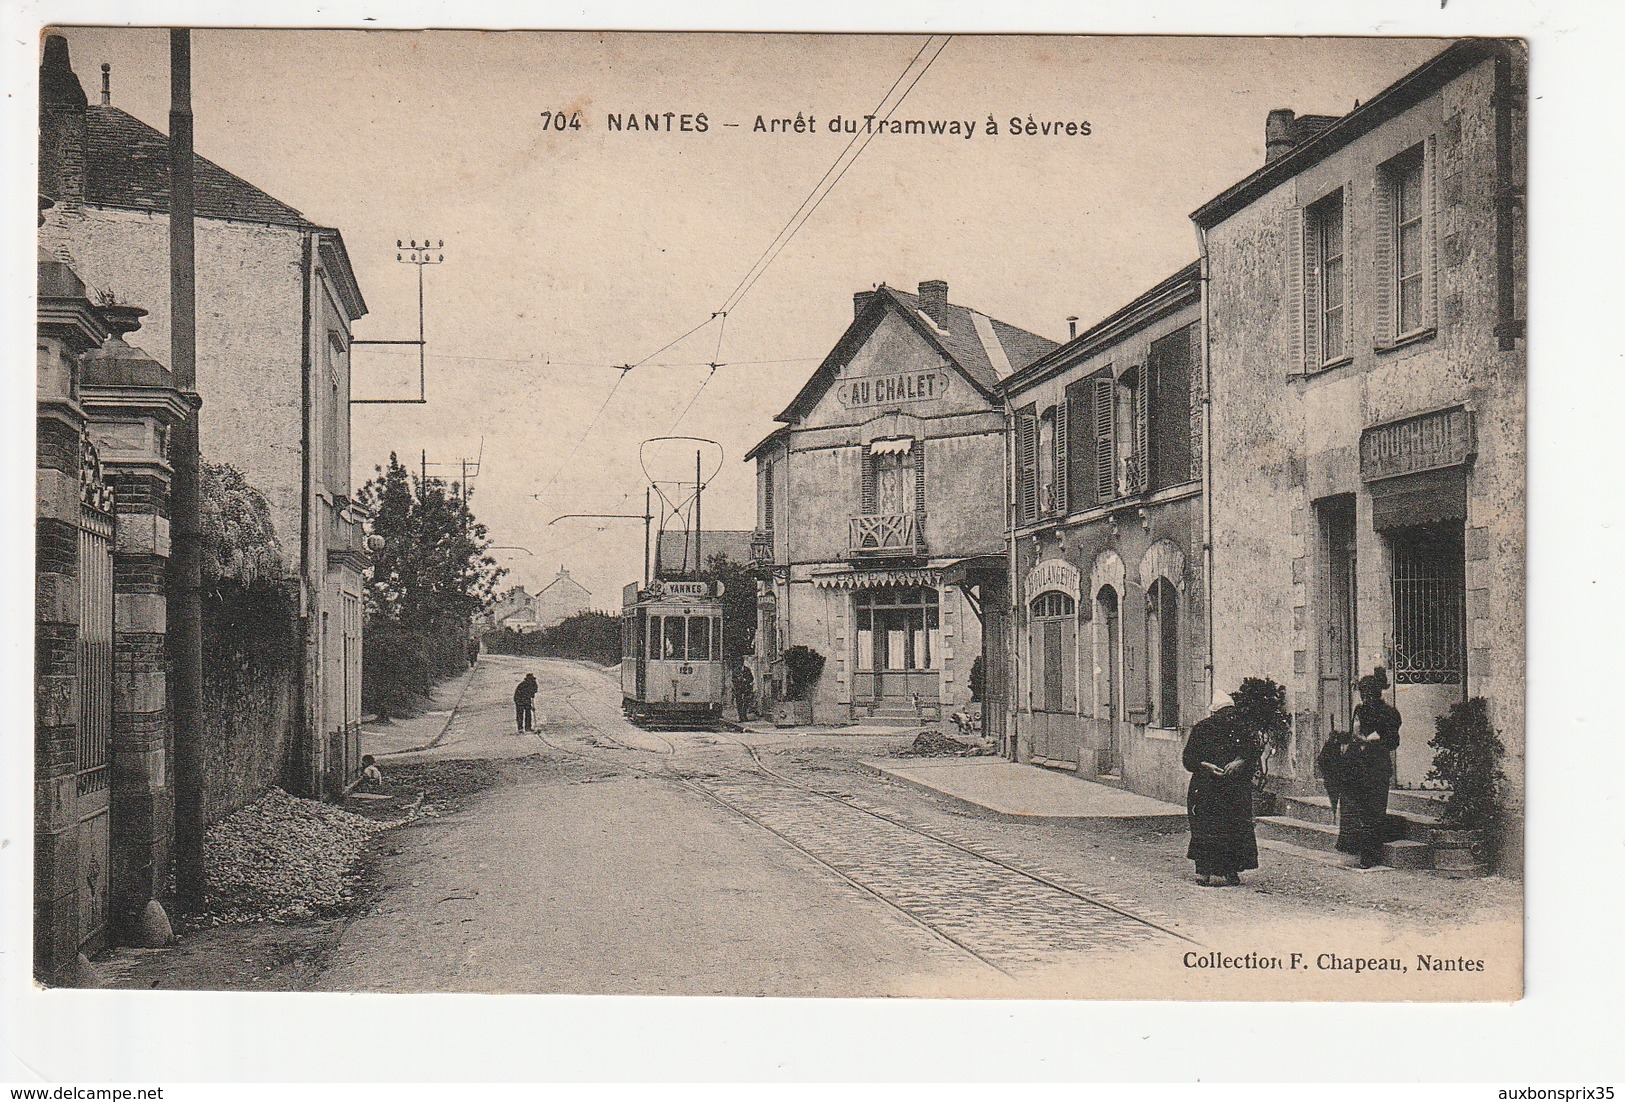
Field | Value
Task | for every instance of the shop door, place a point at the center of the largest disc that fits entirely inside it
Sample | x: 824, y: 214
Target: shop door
x: 1111, y: 671
x: 1339, y: 642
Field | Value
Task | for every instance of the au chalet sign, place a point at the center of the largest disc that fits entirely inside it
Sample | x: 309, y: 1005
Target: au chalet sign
x: 890, y: 390
x: 1426, y: 443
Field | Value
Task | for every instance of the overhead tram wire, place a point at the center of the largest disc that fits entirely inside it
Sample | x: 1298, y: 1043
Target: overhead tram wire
x: 786, y: 233
x: 734, y: 296
x: 867, y: 138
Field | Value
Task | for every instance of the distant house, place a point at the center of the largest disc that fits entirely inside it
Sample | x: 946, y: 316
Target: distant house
x: 559, y: 600
x: 276, y: 298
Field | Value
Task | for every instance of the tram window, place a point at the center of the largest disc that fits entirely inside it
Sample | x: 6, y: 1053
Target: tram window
x: 654, y: 637
x: 716, y: 639
x: 673, y: 639
x: 699, y: 637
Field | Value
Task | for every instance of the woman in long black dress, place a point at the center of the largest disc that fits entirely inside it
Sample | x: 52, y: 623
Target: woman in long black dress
x: 1222, y: 755
x: 1368, y: 770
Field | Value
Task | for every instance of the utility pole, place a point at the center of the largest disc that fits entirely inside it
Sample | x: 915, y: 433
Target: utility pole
x: 699, y: 529
x: 648, y: 519
x: 185, y: 638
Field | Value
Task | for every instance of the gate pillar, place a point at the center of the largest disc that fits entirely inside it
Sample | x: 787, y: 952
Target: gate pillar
x: 131, y: 404
x: 68, y: 325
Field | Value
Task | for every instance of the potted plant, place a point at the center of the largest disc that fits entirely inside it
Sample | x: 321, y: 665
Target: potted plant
x: 802, y: 668
x: 1262, y: 705
x: 1467, y: 758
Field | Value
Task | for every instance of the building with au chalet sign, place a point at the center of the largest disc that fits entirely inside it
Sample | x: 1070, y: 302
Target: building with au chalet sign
x: 879, y: 537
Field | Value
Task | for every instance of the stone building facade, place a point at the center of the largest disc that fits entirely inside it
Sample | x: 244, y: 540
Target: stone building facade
x: 276, y: 302
x: 875, y: 540
x: 1366, y: 360
x: 1109, y: 615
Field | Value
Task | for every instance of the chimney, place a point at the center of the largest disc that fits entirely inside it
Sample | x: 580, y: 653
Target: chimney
x: 107, y: 85
x: 1071, y: 327
x: 934, y: 301
x: 1279, y: 135
x: 61, y: 126
x: 861, y: 301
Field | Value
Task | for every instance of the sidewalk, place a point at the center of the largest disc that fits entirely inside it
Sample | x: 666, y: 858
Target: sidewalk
x: 1027, y: 792
x: 403, y: 736
x: 767, y: 727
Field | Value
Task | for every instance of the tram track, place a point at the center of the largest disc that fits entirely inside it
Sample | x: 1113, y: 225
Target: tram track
x: 981, y: 908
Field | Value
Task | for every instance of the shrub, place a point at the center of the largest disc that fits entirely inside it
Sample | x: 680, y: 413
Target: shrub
x: 1467, y: 757
x: 395, y: 671
x: 802, y: 666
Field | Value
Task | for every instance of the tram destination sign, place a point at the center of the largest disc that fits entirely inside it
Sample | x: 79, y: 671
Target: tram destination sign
x: 890, y: 390
x: 691, y: 589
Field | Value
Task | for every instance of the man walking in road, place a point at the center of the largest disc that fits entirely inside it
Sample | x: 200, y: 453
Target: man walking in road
x: 524, y: 699
x: 744, y: 687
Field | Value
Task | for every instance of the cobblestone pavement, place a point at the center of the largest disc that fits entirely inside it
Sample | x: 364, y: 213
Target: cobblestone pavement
x: 1001, y: 914
x: 1011, y: 917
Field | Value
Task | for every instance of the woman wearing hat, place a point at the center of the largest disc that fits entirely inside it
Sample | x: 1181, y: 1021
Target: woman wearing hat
x: 1368, y: 770
x: 1222, y: 755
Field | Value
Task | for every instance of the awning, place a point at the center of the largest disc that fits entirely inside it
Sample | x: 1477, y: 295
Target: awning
x: 1423, y: 498
x: 900, y: 445
x: 968, y: 571
x: 869, y: 579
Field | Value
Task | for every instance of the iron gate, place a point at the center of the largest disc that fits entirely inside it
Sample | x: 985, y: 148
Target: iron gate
x: 95, y: 670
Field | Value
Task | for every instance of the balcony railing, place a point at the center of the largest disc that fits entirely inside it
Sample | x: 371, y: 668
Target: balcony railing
x: 894, y: 535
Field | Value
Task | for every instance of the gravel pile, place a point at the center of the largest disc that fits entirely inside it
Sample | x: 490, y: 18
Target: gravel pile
x: 934, y: 744
x: 282, y: 858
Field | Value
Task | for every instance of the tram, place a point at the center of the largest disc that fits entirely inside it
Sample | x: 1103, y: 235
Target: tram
x: 671, y: 654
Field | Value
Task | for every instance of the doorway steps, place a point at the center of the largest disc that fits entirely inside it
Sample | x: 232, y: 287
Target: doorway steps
x: 1309, y: 823
x: 901, y: 715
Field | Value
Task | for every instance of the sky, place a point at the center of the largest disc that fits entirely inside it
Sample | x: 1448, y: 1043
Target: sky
x: 570, y: 251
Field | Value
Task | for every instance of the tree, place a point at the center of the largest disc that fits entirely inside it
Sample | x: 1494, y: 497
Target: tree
x: 738, y: 606
x: 430, y: 574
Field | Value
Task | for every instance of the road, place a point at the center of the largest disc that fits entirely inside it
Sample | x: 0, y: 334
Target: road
x: 615, y: 860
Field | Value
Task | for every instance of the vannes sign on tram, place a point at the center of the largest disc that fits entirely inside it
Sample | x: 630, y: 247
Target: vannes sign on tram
x: 684, y: 589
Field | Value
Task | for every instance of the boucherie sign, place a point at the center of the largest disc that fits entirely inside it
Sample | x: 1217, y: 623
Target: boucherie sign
x: 890, y: 390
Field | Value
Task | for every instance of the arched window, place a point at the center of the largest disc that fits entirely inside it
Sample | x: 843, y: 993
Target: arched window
x: 1162, y: 652
x: 1054, y: 642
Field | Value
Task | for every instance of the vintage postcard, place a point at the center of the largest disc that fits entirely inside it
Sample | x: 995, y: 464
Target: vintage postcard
x: 940, y: 515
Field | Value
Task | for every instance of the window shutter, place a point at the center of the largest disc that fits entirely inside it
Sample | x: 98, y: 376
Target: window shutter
x: 1348, y: 268
x: 1292, y: 230
x: 1105, y: 453
x: 1134, y: 667
x: 1430, y: 197
x: 1026, y: 465
x: 919, y: 476
x: 1062, y: 504
x: 1309, y: 236
x: 1382, y: 252
x: 1080, y: 446
x: 1142, y: 433
x: 868, y: 482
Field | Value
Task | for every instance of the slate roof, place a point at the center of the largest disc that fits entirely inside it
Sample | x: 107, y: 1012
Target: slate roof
x: 966, y: 347
x: 127, y: 167
x: 960, y: 341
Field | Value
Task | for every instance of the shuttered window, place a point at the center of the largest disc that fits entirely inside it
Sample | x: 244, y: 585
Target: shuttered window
x: 1326, y: 281
x: 1105, y: 434
x: 1080, y: 444
x: 1062, y: 502
x: 868, y: 482
x: 919, y: 476
x: 1406, y: 259
x: 1026, y: 465
x: 1169, y: 367
x: 1139, y: 468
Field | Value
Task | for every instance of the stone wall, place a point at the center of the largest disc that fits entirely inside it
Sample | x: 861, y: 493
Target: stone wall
x: 249, y: 696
